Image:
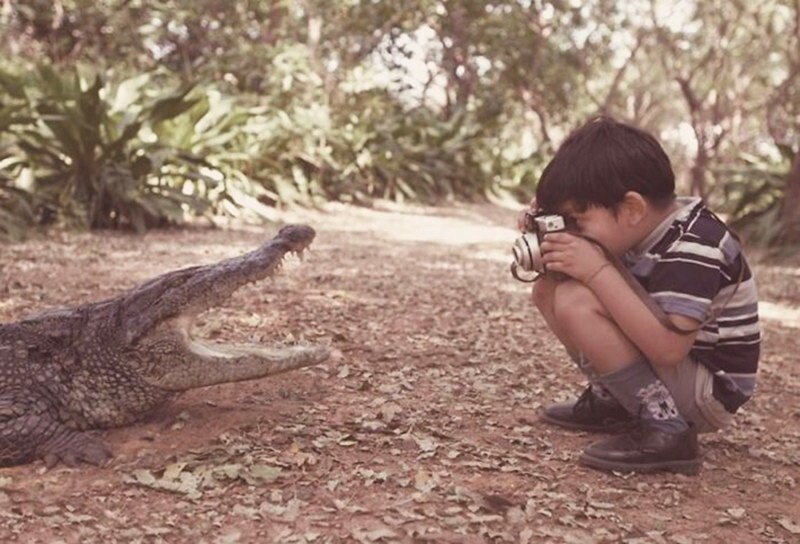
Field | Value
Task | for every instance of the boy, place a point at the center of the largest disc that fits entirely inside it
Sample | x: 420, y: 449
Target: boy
x: 615, y: 182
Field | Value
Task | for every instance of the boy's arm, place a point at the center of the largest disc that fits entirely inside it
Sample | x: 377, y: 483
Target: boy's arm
x: 585, y: 262
x: 660, y: 345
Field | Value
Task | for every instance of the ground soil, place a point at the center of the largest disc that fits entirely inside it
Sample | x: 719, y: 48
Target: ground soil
x: 425, y: 431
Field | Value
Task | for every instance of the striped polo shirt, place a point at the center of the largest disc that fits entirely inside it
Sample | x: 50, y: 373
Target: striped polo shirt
x: 690, y: 264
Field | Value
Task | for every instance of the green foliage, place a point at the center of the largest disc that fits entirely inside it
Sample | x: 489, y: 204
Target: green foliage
x: 17, y: 215
x: 123, y: 155
x: 303, y: 150
x: 311, y: 153
x: 312, y: 115
x: 754, y: 194
x: 85, y: 154
x: 248, y: 105
x: 17, y: 205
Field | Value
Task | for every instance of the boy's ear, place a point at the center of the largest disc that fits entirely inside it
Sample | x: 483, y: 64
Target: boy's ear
x: 634, y: 206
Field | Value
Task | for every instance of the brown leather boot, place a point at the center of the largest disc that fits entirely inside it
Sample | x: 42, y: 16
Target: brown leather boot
x: 646, y: 449
x: 588, y: 413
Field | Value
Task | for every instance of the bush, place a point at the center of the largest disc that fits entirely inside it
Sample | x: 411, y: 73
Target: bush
x: 84, y: 150
x: 754, y: 193
x: 81, y: 150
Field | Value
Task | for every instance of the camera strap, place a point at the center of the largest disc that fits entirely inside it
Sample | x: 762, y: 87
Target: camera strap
x: 650, y: 302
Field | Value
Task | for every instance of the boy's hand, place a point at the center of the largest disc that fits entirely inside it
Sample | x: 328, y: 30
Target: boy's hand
x: 572, y: 255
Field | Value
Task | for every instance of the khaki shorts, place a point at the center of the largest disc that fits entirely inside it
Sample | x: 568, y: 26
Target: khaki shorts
x: 691, y: 385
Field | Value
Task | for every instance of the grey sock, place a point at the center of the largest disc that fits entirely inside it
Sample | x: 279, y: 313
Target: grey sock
x: 642, y: 394
x: 598, y: 389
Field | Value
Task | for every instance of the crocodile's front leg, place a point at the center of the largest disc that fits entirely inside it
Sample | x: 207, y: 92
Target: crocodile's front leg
x: 30, y: 429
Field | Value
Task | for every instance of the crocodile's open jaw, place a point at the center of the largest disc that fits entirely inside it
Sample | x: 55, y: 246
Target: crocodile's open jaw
x: 172, y: 359
x: 212, y: 350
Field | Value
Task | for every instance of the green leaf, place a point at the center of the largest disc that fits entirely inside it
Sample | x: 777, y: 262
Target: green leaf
x: 13, y: 85
x: 52, y: 83
x: 172, y: 105
x: 129, y: 92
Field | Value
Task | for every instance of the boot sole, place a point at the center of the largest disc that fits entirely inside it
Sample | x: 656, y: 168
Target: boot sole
x: 615, y: 428
x: 683, y: 466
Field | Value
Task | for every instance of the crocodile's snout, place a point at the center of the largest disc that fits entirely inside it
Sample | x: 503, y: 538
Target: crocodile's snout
x: 297, y: 237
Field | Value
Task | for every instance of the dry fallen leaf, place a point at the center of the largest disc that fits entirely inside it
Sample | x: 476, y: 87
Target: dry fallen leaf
x: 789, y: 525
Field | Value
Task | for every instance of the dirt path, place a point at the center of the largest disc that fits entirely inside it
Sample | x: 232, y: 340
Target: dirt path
x: 425, y: 432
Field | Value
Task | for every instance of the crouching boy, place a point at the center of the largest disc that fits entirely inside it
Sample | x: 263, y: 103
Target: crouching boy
x: 661, y: 381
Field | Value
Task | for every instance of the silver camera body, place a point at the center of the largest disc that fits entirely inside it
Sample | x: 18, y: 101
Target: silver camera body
x: 527, y: 248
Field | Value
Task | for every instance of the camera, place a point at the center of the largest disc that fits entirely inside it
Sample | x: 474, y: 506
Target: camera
x: 527, y: 248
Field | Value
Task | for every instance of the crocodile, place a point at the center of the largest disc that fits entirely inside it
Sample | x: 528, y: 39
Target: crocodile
x: 67, y: 372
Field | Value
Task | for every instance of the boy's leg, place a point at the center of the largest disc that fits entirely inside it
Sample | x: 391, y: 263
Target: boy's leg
x: 667, y: 441
x: 596, y: 410
x: 544, y: 299
x: 543, y: 295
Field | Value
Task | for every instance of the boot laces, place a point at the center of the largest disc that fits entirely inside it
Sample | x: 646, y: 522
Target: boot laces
x: 585, y: 401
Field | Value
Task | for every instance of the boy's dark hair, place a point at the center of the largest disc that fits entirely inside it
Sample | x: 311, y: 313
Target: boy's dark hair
x: 601, y: 161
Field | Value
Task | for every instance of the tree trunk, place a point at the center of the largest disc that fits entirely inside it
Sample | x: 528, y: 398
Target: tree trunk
x: 695, y: 106
x: 698, y: 180
x: 461, y: 72
x: 790, y: 214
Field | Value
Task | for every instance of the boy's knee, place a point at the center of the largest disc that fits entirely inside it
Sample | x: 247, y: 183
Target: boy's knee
x: 542, y: 295
x: 573, y: 303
